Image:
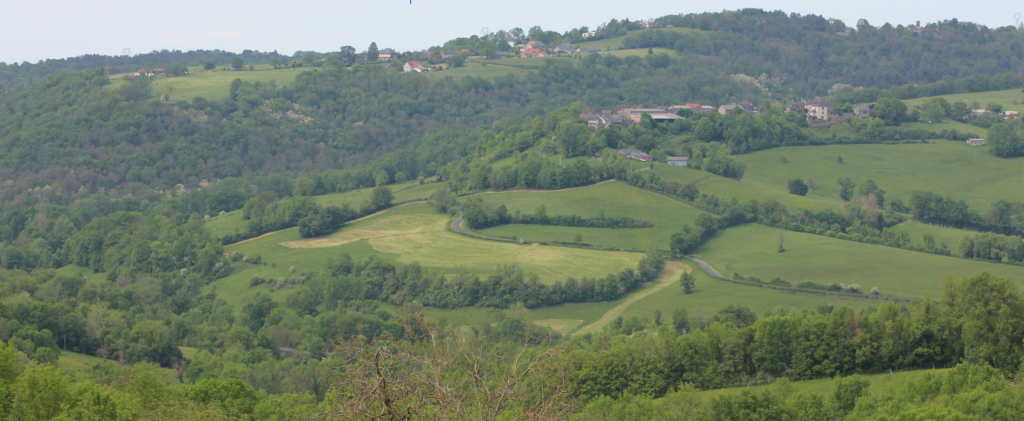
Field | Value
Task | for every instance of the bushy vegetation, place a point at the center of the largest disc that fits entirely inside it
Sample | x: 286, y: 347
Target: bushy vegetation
x: 480, y: 215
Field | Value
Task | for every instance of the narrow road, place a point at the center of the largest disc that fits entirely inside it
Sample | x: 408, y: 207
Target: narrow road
x: 457, y: 225
x: 707, y: 267
x: 667, y: 277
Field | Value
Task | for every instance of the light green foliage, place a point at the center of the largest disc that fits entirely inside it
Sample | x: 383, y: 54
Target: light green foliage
x: 948, y: 168
x: 750, y: 249
x: 235, y: 397
x: 989, y: 312
x: 88, y: 401
x: 40, y: 392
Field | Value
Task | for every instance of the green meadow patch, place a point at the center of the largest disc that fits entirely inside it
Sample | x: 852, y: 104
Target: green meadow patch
x: 614, y: 43
x: 1010, y: 99
x: 407, y: 234
x: 613, y: 199
x: 214, y: 85
x: 751, y: 250
x: 949, y: 168
x: 745, y: 189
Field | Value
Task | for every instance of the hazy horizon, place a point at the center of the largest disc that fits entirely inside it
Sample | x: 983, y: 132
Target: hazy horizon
x: 54, y: 29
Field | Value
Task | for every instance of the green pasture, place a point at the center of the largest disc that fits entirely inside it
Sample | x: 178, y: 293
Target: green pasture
x: 615, y: 43
x: 215, y: 85
x: 751, y: 250
x: 949, y: 168
x: 943, y: 235
x: 745, y: 189
x: 965, y: 128
x: 74, y: 271
x: 407, y: 234
x: 712, y: 294
x: 613, y: 198
x: 879, y: 383
x: 1010, y: 99
x: 73, y: 362
x: 232, y: 222
x: 639, y: 52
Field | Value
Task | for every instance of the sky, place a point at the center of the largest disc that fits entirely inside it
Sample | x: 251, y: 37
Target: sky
x: 40, y: 29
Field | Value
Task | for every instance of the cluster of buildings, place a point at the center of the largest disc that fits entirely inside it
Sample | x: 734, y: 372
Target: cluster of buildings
x: 683, y: 160
x: 818, y: 112
x: 537, y: 48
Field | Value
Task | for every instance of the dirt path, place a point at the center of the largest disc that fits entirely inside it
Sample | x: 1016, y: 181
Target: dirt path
x: 349, y: 222
x: 667, y: 277
x: 707, y: 267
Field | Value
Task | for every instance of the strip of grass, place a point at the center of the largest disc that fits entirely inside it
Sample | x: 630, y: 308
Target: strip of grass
x: 215, y: 85
x: 1010, y: 99
x: 945, y: 167
x: 614, y: 199
x: 751, y: 250
x: 615, y: 43
x: 232, y: 222
x: 879, y: 383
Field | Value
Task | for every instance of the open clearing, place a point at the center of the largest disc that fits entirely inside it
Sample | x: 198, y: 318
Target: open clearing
x: 232, y: 222
x: 215, y: 85
x: 615, y: 43
x: 746, y: 189
x: 948, y: 168
x: 613, y: 198
x: 1007, y: 98
x: 406, y: 234
x: 879, y: 383
x: 751, y: 250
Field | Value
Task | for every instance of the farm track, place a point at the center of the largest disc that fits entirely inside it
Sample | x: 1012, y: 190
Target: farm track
x: 667, y: 277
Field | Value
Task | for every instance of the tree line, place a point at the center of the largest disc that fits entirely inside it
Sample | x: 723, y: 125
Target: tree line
x: 480, y: 215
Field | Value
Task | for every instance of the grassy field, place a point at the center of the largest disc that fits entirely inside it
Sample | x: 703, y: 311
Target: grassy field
x: 949, y: 168
x: 951, y: 125
x: 72, y: 362
x: 710, y: 296
x: 879, y: 383
x: 746, y: 189
x: 214, y: 85
x: 411, y: 233
x: 232, y: 222
x: 1010, y: 99
x: 615, y: 43
x: 943, y: 235
x: 614, y: 199
x: 751, y: 250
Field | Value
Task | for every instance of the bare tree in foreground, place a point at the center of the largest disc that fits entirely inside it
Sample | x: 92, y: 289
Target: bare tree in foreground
x: 434, y: 373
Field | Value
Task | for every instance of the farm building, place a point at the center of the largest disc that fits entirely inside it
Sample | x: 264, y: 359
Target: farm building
x: 635, y: 154
x: 679, y: 161
x: 976, y: 142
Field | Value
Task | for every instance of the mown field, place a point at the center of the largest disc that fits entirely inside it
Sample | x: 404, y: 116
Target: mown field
x: 613, y: 198
x: 710, y: 296
x: 745, y: 189
x: 1010, y: 99
x: 751, y: 250
x: 215, y: 85
x: 406, y: 234
x: 615, y: 43
x: 232, y: 222
x: 945, y: 167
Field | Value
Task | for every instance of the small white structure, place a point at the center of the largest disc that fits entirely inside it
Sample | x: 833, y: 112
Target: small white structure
x: 976, y: 142
x: 679, y: 161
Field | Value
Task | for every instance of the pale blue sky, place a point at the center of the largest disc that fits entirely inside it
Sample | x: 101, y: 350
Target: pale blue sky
x: 32, y: 30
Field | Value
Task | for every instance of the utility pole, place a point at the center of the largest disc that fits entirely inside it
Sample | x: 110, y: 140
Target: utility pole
x: 126, y: 52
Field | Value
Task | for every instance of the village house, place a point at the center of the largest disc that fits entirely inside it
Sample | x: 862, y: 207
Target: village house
x: 589, y: 34
x: 817, y: 108
x: 536, y: 44
x: 387, y: 54
x: 683, y: 160
x: 512, y: 41
x: 798, y: 106
x: 862, y: 111
x: 746, y: 106
x: 975, y: 142
x: 635, y: 154
x: 413, y: 66
x: 564, y: 47
x: 534, y: 52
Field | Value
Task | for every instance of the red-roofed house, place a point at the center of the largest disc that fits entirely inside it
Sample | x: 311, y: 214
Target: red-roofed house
x: 413, y: 66
x: 535, y: 52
